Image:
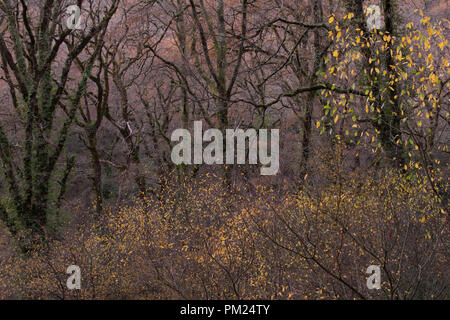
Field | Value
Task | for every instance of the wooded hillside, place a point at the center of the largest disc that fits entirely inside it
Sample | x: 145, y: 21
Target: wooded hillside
x: 86, y: 119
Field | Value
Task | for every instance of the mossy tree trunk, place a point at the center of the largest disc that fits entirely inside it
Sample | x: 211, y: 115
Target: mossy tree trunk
x: 38, y: 87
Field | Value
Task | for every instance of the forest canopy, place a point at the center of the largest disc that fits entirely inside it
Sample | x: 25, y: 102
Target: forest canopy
x: 93, y: 90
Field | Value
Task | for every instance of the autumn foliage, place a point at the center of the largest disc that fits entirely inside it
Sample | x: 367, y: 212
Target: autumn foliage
x: 199, y: 239
x: 87, y: 177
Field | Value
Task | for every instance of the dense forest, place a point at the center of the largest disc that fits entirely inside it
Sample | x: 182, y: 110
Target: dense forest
x: 92, y: 91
